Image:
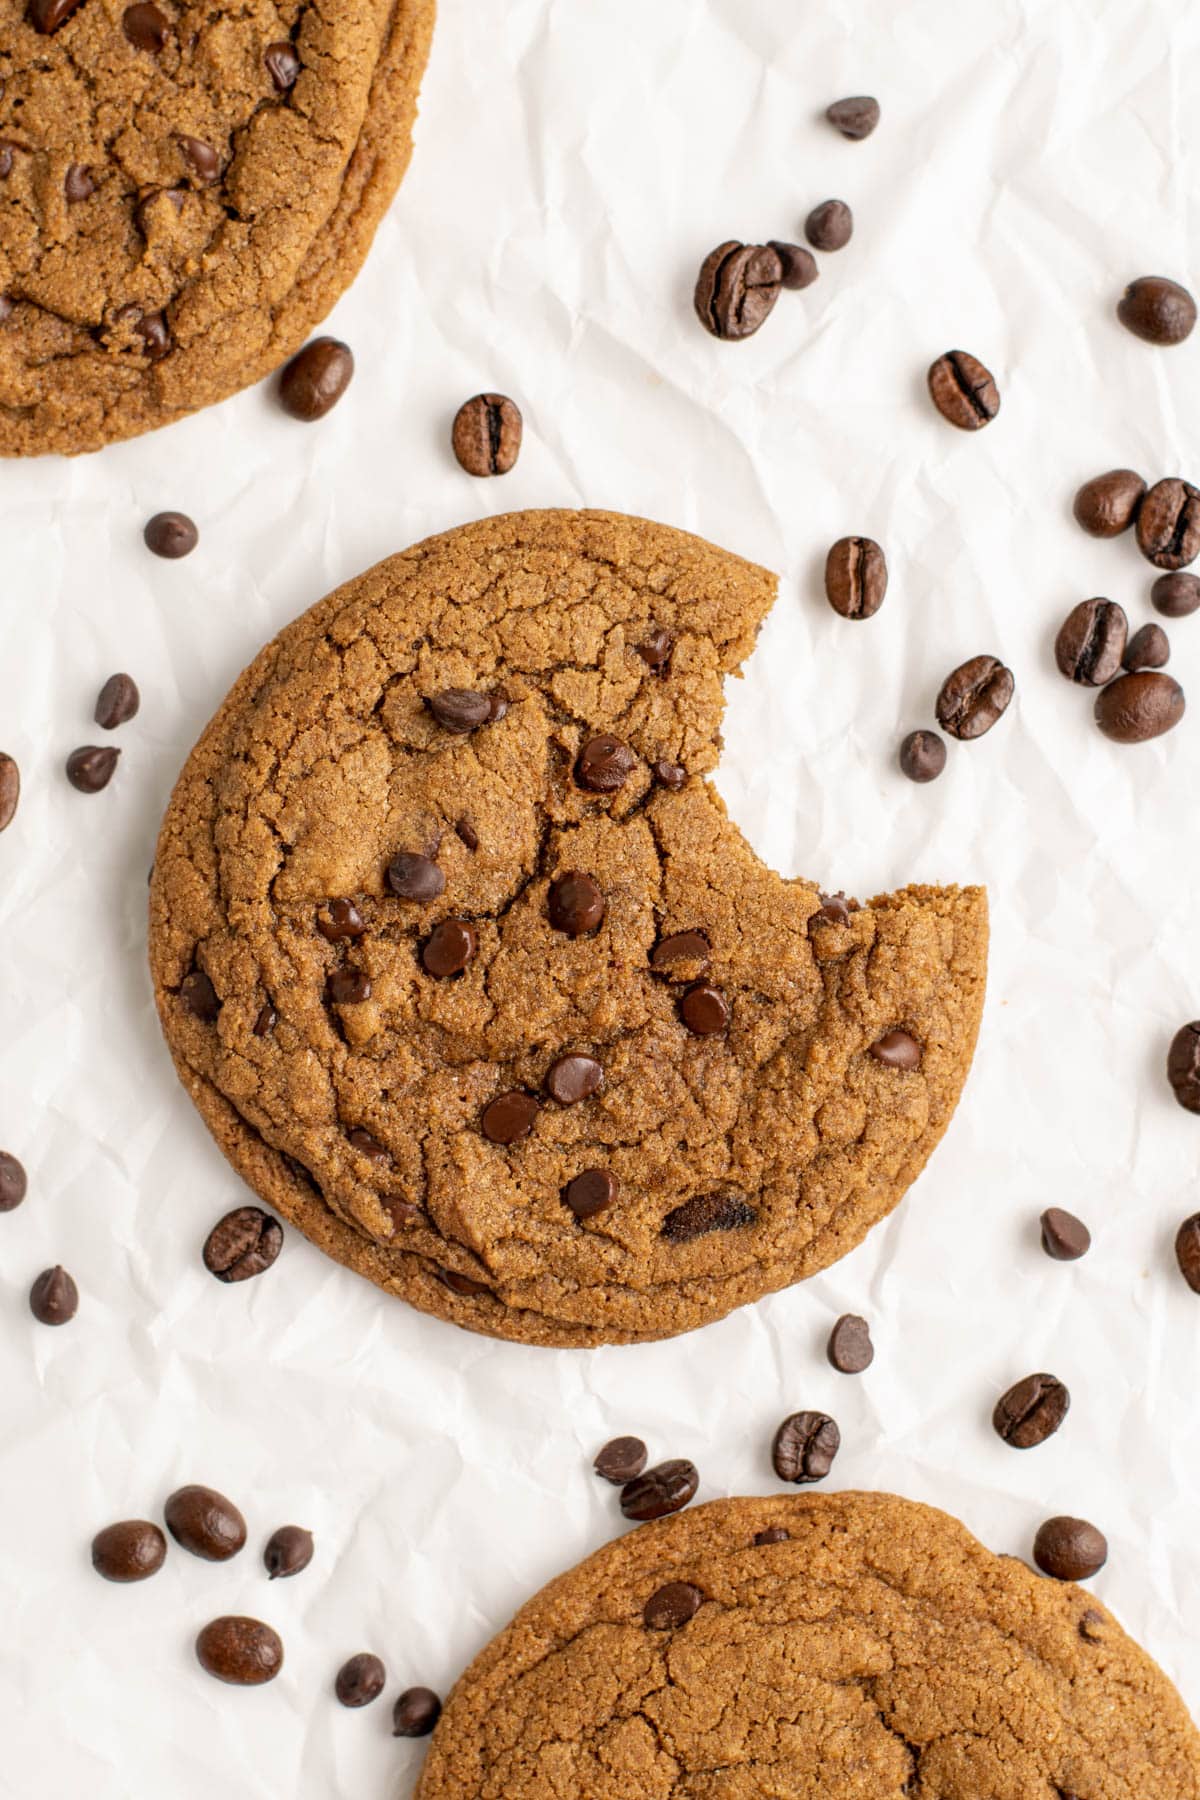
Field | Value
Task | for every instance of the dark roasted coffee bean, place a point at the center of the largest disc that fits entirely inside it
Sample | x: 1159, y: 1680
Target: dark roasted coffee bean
x: 575, y: 903
x: 1187, y: 1250
x: 367, y: 1145
x: 574, y: 1078
x: 1148, y: 648
x: 14, y: 1183
x: 829, y: 226
x: 897, y: 1050
x: 669, y: 775
x: 1108, y: 504
x: 856, y: 577
x: 1168, y: 524
x: 655, y: 651
x: 242, y: 1244
x: 54, y: 1298
x: 672, y: 1606
x: 486, y: 436
x: 1069, y: 1549
x: 78, y: 184
x: 1158, y: 310
x: 412, y: 876
x: 590, y: 1192
x: 963, y: 390
x: 509, y: 1117
x: 90, y: 768
x: 201, y: 159
x: 1183, y: 1066
x: 774, y: 1534
x: 736, y: 288
x: 458, y: 1283
x: 283, y: 64
x: 47, y: 15
x: 704, y: 1213
x: 1175, y: 596
x: 704, y: 1009
x: 449, y: 948
x: 1135, y: 708
x: 805, y: 1446
x: 348, y: 986
x: 460, y: 709
x: 974, y: 696
x: 856, y: 117
x: 316, y: 378
x: 171, y: 534
x: 666, y: 1488
x: 339, y: 920
x: 239, y: 1650
x: 117, y: 702
x: 10, y: 789
x: 798, y: 266
x: 416, y: 1712
x: 205, y: 1522
x: 604, y: 764
x: 1032, y: 1411
x: 360, y: 1680
x: 199, y: 997
x: 129, y: 1551
x: 145, y: 26
x: 682, y: 956
x: 1064, y: 1237
x: 850, y: 1349
x: 620, y: 1460
x: 287, y: 1551
x: 1091, y: 642
x: 922, y: 756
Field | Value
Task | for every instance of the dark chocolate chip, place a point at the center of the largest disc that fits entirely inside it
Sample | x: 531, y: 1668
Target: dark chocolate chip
x: 922, y: 756
x: 266, y: 1021
x: 54, y: 1298
x: 340, y: 919
x: 669, y: 775
x: 850, y: 1349
x: 704, y: 1009
x: 467, y: 834
x: 509, y: 1117
x: 460, y: 709
x: 620, y: 1460
x: 201, y: 159
x: 78, y: 184
x: 14, y: 1183
x: 855, y: 117
x: 829, y: 226
x: 145, y: 26
x: 412, y: 876
x: 1148, y: 648
x: 590, y: 1192
x: 704, y: 1213
x: 283, y: 64
x: 288, y: 1550
x: 897, y: 1050
x: 1064, y: 1237
x: 360, y: 1680
x: 573, y: 1078
x: 463, y: 1285
x: 575, y: 904
x: 367, y: 1145
x: 774, y: 1534
x: 681, y: 955
x: 415, y: 1713
x: 798, y: 266
x: 655, y: 651
x: 672, y: 1606
x: 604, y: 764
x: 199, y: 997
x: 171, y: 534
x: 348, y: 986
x: 90, y: 768
x: 1187, y: 1251
x: 47, y: 15
x: 450, y: 946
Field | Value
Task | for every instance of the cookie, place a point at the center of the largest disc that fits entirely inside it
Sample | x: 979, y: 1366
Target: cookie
x: 474, y: 980
x: 186, y: 190
x: 876, y: 1649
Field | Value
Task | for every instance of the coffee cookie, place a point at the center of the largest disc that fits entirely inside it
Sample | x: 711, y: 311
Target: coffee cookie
x: 473, y: 979
x: 186, y: 190
x: 876, y: 1649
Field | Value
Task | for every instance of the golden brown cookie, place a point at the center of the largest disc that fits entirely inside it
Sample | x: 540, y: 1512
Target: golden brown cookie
x: 876, y: 1650
x: 473, y: 979
x: 184, y: 191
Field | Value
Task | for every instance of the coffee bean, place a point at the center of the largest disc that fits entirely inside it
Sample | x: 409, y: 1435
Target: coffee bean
x: 283, y: 64
x: 1108, y: 504
x: 1175, y: 596
x: 132, y: 1550
x: 201, y: 159
x: 451, y: 945
x: 1135, y: 708
x: 171, y: 534
x: 1032, y: 1411
x: 242, y: 1244
x: 288, y: 1550
x: 974, y: 696
x: 360, y: 1680
x: 856, y: 577
x: 574, y: 1078
x: 460, y: 709
x: 13, y: 1182
x: 117, y: 702
x: 486, y: 436
x: 1069, y: 1549
x: 461, y: 1284
x: 412, y: 876
x: 1158, y: 310
x: 829, y: 226
x: 1168, y: 524
x: 266, y: 1021
x: 198, y: 996
x: 855, y: 118
x: 1148, y: 648
x: 366, y: 1145
x: 415, y: 1713
x: 1064, y: 1237
x: 242, y: 1651
x: 205, y: 1522
x: 682, y: 955
x: 54, y: 1298
x: 90, y: 768
x: 348, y: 986
x: 736, y: 288
x: 78, y: 184
x: 1183, y: 1066
x: 509, y: 1117
x: 774, y: 1534
x: 575, y: 904
x: 590, y: 1192
x: 897, y: 1050
x: 1187, y: 1250
x: 963, y: 390
x: 47, y: 15
x: 798, y: 266
x: 922, y: 756
x: 850, y: 1349
x: 604, y: 764
x: 145, y: 26
x: 620, y: 1460
x: 805, y: 1446
x: 666, y: 1488
x: 339, y: 921
x: 316, y: 378
x: 704, y: 1213
x: 655, y: 652
x: 704, y: 1009
x: 1091, y: 642
x: 10, y: 789
x: 672, y: 1606
x: 669, y: 775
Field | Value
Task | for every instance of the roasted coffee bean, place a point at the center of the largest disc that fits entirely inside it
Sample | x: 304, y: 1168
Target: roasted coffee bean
x: 1108, y: 504
x: 287, y: 1551
x: 205, y: 1522
x: 856, y: 577
x: 348, y: 986
x: 339, y: 921
x: 78, y: 184
x: 590, y: 1192
x: 666, y: 1488
x: 704, y: 1009
x: 449, y: 948
x: 1187, y: 1250
x: 458, y: 1283
x: 856, y: 117
x: 486, y: 437
x: 798, y: 266
x: 963, y: 390
x: 171, y: 534
x: 199, y: 997
x: 366, y: 1145
x: 1148, y: 648
x: 672, y: 1606
x: 704, y: 1213
x: 47, y: 15
x: 575, y: 903
x: 54, y: 1298
x: 604, y: 764
x: 774, y: 1534
x: 1183, y: 1066
x: 360, y: 1680
x: 283, y: 64
x: 1168, y: 524
x: 974, y: 696
x: 10, y: 789
x: 850, y: 1349
x: 14, y: 1183
x: 412, y: 876
x: 416, y: 1712
x: 460, y: 709
x: 829, y: 226
x: 129, y: 1551
x: 736, y: 288
x: 509, y: 1117
x: 682, y: 956
x: 316, y: 378
x: 90, y: 768
x: 669, y: 775
x: 201, y: 159
x: 117, y: 702
x: 805, y: 1446
x: 1069, y: 1549
x: 1064, y: 1237
x: 573, y: 1078
x: 1175, y: 596
x: 242, y: 1244
x: 897, y: 1050
x: 620, y: 1460
x: 145, y: 26
x: 1158, y: 310
x: 922, y: 756
x: 242, y: 1651
x: 1135, y: 708
x: 1091, y: 642
x: 1032, y: 1411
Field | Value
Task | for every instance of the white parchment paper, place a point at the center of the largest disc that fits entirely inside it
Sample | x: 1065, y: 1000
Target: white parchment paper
x: 574, y: 163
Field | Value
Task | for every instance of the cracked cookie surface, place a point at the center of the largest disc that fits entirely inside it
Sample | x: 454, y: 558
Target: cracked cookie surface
x: 185, y: 190
x: 876, y: 1650
x: 473, y: 979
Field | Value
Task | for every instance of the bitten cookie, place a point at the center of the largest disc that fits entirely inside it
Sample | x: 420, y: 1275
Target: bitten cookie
x: 474, y: 980
x: 874, y: 1649
x: 184, y: 191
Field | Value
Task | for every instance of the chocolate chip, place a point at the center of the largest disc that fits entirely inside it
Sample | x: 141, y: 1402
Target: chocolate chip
x: 736, y: 288
x: 774, y: 1534
x: 171, y: 534
x: 7, y: 152
x: 573, y: 1078
x: 242, y: 1244
x: 90, y: 768
x: 460, y: 709
x: 655, y: 652
x: 316, y: 378
x: 963, y: 390
x: 47, y: 15
x: 1148, y: 648
x: 1091, y: 1626
x: 283, y: 64
x: 145, y: 27
x: 1032, y: 1411
x: 1135, y: 708
x: 974, y: 696
x: 78, y: 184
x: 1064, y: 1237
x: 205, y: 1522
x: 132, y: 1550
x: 1187, y: 1251
x: 897, y: 1050
x: 575, y: 903
x: 672, y: 1606
x: 339, y: 920
x: 704, y: 1213
x: 467, y: 834
x: 117, y: 702
x: 922, y: 756
x: 704, y: 1009
x: 1183, y: 1066
x: 669, y: 775
x: 463, y: 1285
x: 360, y: 1680
x: 1175, y: 596
x: 266, y: 1021
x: 287, y: 1551
x: 412, y: 876
x: 834, y: 909
x: 856, y: 577
x: 850, y: 1349
x: 415, y: 1713
x: 153, y: 331
x: 829, y: 226
x: 1091, y: 642
x: 348, y: 986
x: 1069, y: 1549
x: 590, y: 1192
x: 54, y: 1298
x: 805, y: 1446
x: 13, y: 1182
x: 449, y: 948
x: 1168, y: 524
x: 856, y: 117
x: 604, y: 764
x: 509, y: 1117
x: 798, y: 266
x: 486, y: 435
x: 201, y: 158
x: 682, y: 953
x: 1108, y: 504
x: 10, y: 789
x: 1157, y: 310
x: 620, y: 1460
x: 367, y: 1145
x: 199, y: 997
x: 665, y: 1488
x: 242, y: 1651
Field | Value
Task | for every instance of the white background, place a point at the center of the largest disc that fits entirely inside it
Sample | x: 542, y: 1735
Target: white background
x: 574, y: 163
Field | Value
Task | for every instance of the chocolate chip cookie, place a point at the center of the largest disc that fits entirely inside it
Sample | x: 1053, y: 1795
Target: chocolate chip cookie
x: 474, y: 980
x: 184, y: 191
x: 870, y: 1647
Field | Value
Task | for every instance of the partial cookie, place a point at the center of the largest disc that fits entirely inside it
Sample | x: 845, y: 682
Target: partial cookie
x: 473, y: 979
x: 185, y: 191
x: 876, y: 1650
